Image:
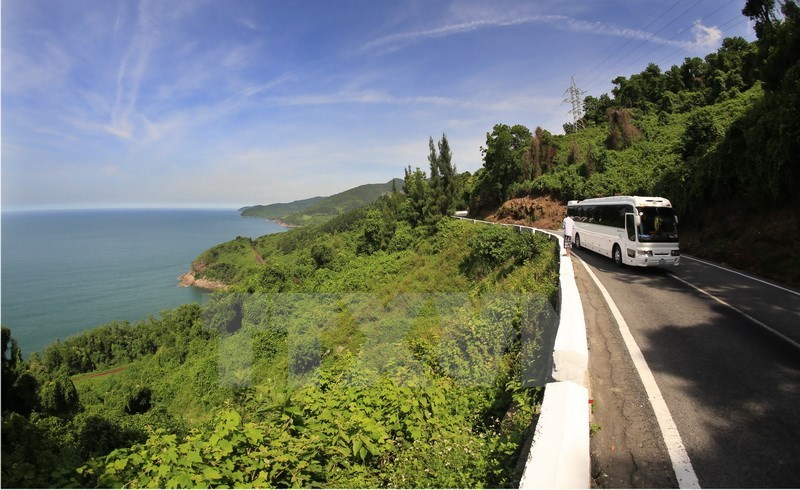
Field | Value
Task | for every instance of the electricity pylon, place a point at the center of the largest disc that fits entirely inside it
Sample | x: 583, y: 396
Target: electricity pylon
x: 574, y: 97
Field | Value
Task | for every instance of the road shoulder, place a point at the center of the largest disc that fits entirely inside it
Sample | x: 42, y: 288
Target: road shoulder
x: 626, y: 448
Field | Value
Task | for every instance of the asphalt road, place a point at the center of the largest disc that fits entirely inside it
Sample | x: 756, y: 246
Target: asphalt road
x: 732, y: 385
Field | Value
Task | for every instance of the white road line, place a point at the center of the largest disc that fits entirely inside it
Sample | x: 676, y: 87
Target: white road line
x: 741, y: 274
x: 681, y: 464
x: 737, y: 310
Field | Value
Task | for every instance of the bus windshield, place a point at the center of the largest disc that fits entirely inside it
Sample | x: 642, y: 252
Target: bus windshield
x: 658, y: 225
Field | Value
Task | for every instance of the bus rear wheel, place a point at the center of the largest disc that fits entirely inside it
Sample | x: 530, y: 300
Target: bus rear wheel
x: 617, y: 255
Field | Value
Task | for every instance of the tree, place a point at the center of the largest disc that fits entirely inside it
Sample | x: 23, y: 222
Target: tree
x: 574, y: 156
x: 673, y: 79
x: 693, y: 73
x: 19, y: 387
x: 59, y: 397
x: 762, y: 12
x: 433, y: 164
x: 770, y: 133
x: 415, y: 208
x: 322, y: 253
x: 377, y: 233
x: 535, y: 152
x: 700, y: 136
x: 448, y: 185
x: 442, y: 189
x: 503, y: 162
x: 595, y: 109
x: 621, y: 132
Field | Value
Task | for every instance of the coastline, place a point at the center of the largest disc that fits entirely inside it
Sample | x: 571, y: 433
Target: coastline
x: 189, y: 280
x: 283, y: 223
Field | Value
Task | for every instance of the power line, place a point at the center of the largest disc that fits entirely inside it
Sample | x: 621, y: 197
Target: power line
x: 586, y: 75
x: 722, y: 27
x: 550, y: 114
x: 702, y: 40
x: 687, y: 46
x: 699, y: 41
x: 645, y: 41
x: 555, y: 108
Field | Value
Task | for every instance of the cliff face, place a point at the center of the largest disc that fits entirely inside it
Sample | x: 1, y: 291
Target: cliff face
x: 190, y: 280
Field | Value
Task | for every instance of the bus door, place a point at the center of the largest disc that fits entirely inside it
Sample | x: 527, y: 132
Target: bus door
x: 630, y: 227
x: 630, y: 231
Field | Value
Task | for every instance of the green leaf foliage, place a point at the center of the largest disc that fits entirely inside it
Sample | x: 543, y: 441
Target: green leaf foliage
x: 357, y: 353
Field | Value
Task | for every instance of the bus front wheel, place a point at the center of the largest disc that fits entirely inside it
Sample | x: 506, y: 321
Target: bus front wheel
x: 617, y: 255
x: 577, y: 244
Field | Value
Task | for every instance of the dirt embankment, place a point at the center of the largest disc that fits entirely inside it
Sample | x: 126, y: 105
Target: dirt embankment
x: 758, y: 241
x: 542, y: 212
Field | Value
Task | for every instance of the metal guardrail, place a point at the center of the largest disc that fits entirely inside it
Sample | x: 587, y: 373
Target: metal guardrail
x: 559, y: 453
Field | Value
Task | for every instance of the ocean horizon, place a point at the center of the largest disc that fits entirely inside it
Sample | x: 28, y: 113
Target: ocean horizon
x: 69, y: 270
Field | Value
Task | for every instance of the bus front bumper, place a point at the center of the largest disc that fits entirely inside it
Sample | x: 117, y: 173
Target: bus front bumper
x: 659, y: 261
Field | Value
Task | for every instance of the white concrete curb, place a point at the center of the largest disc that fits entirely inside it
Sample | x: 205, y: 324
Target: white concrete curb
x: 559, y: 456
x: 559, y: 453
x: 571, y: 351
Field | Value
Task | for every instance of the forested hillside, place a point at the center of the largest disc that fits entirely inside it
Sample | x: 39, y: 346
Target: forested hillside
x: 279, y: 210
x: 389, y: 346
x: 719, y: 137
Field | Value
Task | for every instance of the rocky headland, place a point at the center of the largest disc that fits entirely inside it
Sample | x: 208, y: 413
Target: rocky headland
x: 190, y: 280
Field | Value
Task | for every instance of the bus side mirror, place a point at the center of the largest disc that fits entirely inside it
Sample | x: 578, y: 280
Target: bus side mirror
x: 637, y: 220
x: 676, y: 219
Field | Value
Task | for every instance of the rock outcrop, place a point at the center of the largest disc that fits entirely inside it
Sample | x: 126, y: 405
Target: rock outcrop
x: 190, y: 280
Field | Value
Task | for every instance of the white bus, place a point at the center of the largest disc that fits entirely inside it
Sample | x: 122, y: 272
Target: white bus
x: 631, y: 230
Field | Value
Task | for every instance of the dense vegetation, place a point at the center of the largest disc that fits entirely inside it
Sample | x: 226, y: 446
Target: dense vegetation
x: 718, y: 136
x: 696, y: 131
x: 386, y: 347
x: 317, y: 210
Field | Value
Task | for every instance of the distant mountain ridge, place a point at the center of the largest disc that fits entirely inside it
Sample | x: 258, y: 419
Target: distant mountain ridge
x: 319, y: 209
x: 279, y: 210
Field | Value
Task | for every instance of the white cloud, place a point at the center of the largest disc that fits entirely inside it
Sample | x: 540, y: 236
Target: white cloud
x: 129, y: 76
x: 248, y: 23
x: 706, y: 37
x: 35, y: 71
x: 479, y: 102
x: 252, y: 90
x: 399, y: 40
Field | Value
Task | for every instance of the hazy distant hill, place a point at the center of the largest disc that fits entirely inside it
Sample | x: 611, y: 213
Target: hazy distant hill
x: 320, y: 209
x: 279, y: 210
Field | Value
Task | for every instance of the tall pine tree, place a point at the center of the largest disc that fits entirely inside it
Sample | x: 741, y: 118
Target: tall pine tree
x: 447, y: 191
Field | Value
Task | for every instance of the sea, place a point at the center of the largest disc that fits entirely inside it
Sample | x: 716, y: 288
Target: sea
x: 67, y: 271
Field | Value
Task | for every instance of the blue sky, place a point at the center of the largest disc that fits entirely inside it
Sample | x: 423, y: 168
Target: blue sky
x: 109, y: 103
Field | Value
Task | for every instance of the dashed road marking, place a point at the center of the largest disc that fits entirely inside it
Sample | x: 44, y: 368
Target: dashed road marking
x: 741, y: 274
x: 737, y: 310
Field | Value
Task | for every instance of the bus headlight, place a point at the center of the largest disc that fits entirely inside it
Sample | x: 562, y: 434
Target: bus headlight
x: 648, y: 253
x: 675, y: 253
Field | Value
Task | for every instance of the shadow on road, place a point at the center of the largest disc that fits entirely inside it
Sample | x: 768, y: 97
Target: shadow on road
x: 747, y: 385
x: 732, y: 389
